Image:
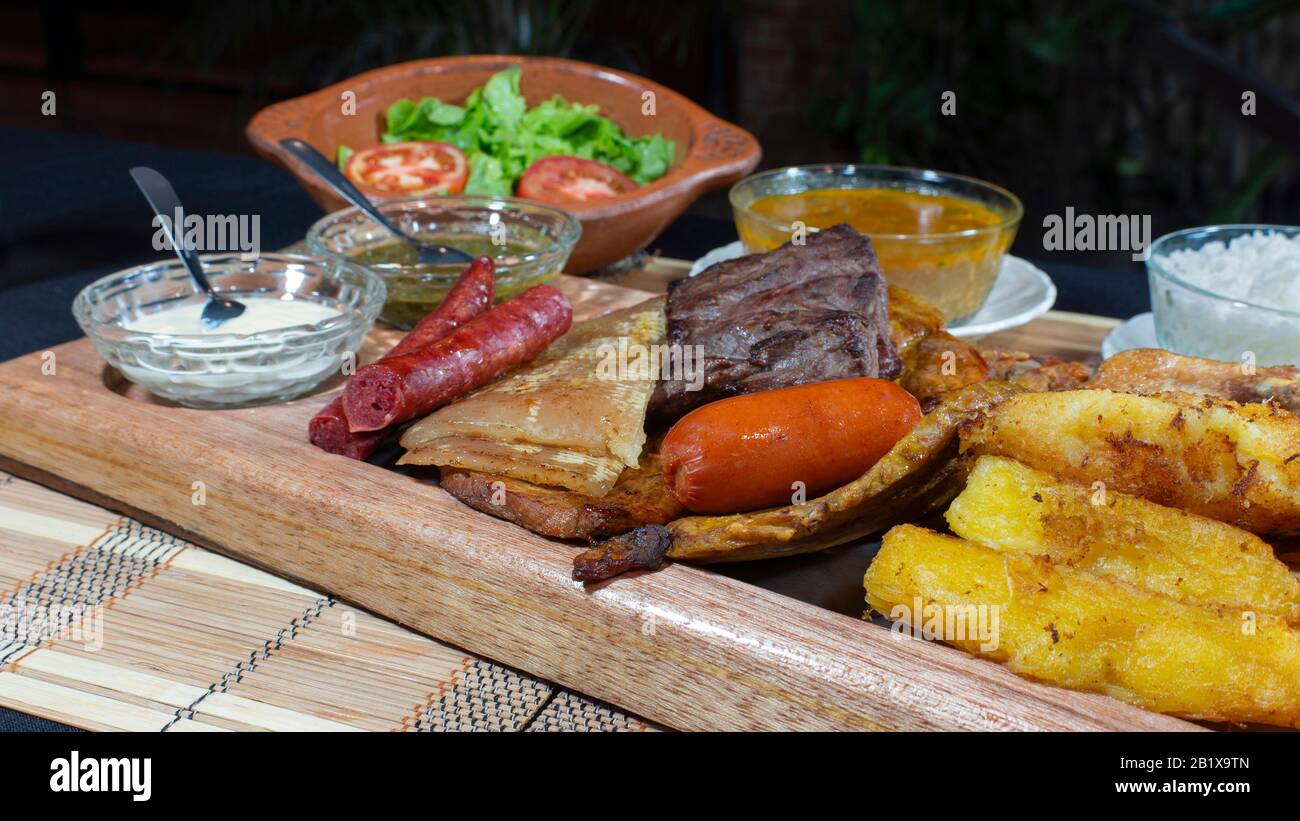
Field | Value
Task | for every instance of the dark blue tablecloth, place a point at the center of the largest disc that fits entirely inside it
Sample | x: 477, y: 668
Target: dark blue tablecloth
x: 69, y: 214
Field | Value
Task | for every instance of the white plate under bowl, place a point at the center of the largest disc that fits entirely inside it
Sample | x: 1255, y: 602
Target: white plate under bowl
x: 1021, y: 293
x: 1138, y: 332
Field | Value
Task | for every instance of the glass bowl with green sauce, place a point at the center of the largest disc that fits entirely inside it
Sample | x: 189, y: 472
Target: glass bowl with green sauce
x: 529, y: 241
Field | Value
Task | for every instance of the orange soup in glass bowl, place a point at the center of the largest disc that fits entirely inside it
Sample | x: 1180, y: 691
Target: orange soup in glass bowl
x: 941, y: 236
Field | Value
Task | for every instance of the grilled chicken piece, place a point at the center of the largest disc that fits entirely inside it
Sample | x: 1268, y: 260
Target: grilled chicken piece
x: 936, y: 362
x: 1041, y: 373
x: 1151, y: 370
x: 911, y: 319
x: 939, y: 363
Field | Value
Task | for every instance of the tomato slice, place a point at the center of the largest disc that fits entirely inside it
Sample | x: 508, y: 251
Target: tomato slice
x: 567, y: 180
x: 408, y: 169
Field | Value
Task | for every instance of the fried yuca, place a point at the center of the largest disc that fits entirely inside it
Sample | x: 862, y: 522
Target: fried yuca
x: 1012, y: 507
x: 1235, y: 463
x: 1075, y: 629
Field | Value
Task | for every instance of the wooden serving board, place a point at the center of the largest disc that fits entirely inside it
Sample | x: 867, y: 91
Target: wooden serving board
x: 686, y: 647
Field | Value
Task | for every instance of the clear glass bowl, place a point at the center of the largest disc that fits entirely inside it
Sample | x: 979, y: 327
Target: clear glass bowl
x: 230, y: 370
x: 953, y: 271
x: 1197, y: 321
x: 532, y: 244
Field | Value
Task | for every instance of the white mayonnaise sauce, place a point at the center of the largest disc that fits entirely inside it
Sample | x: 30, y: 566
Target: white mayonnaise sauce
x: 260, y: 314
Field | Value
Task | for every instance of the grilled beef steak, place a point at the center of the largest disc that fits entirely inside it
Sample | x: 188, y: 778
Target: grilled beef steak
x: 799, y: 314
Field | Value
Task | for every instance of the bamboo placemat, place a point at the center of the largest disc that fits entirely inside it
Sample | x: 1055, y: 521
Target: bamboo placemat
x: 107, y: 624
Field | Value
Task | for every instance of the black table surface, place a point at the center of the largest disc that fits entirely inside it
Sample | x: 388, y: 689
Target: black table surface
x: 70, y: 214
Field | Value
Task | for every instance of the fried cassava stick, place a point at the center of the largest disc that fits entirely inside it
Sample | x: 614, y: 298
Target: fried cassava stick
x: 1075, y: 629
x: 1017, y: 509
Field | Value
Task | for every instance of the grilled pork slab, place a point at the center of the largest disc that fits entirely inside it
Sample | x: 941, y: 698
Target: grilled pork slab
x: 799, y: 314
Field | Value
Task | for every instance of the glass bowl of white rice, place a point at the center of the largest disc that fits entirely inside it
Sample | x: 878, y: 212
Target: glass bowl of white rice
x: 1228, y: 292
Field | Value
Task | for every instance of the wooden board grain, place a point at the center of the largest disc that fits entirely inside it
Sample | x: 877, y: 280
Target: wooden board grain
x: 686, y: 647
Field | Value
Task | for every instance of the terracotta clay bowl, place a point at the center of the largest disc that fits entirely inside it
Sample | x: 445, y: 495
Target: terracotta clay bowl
x: 711, y: 153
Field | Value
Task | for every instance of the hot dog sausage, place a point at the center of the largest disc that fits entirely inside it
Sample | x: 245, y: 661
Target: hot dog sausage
x: 474, y: 354
x: 746, y: 452
x: 470, y: 296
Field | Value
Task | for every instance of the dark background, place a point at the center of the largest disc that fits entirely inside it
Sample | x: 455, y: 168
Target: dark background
x: 1106, y: 106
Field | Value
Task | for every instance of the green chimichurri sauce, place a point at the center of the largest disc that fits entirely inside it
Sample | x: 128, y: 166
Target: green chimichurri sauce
x: 414, y: 290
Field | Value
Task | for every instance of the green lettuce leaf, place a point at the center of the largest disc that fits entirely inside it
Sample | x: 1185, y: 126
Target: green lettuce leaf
x: 652, y: 158
x: 501, y: 94
x: 438, y: 113
x: 486, y: 177
x: 403, y: 116
x: 502, y: 137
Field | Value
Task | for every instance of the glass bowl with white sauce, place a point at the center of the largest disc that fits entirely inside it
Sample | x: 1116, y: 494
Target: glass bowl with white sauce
x: 304, y: 319
x: 1228, y: 292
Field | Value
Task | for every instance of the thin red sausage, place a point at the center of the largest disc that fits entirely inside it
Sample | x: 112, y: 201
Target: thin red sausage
x: 413, y: 384
x: 470, y: 296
